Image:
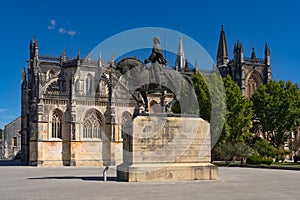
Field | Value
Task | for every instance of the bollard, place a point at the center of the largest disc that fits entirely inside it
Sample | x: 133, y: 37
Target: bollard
x: 105, y: 173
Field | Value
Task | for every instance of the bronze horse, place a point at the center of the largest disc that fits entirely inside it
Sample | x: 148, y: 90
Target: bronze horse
x: 140, y: 79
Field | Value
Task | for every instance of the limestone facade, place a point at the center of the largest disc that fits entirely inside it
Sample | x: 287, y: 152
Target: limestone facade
x: 68, y: 113
x: 11, y: 140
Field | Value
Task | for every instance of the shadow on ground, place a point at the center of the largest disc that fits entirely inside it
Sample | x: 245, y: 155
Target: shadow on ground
x: 85, y: 178
x: 16, y: 162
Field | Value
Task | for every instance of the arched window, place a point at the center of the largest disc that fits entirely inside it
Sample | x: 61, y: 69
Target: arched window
x: 56, y: 125
x: 88, y: 85
x: 252, y: 83
x: 92, y: 125
x: 77, y: 87
x: 102, y: 88
x: 126, y: 123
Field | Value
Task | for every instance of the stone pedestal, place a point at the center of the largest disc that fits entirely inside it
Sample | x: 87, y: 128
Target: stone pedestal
x: 166, y: 148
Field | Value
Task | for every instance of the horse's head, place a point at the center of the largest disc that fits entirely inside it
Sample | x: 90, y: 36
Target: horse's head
x: 127, y: 64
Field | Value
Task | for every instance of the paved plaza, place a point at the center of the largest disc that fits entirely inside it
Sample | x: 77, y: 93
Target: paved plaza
x: 23, y: 182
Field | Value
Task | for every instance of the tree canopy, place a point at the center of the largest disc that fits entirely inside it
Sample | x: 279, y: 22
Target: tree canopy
x: 276, y: 110
x: 239, y: 112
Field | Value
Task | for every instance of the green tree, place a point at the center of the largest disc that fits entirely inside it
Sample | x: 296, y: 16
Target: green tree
x: 264, y: 148
x: 239, y: 112
x: 276, y: 110
x: 203, y: 97
x: 211, y: 98
x: 0, y: 133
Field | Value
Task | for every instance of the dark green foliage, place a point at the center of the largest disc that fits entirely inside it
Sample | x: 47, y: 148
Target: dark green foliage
x: 264, y: 148
x: 296, y: 158
x: 254, y: 160
x: 281, y: 154
x: 229, y: 151
x: 267, y: 161
x: 223, y: 151
x: 242, y: 151
x: 0, y: 133
x: 202, y: 93
x: 211, y: 98
x: 277, y: 110
x: 239, y: 112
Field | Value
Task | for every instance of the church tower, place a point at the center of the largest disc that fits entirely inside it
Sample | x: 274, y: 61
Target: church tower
x: 248, y: 72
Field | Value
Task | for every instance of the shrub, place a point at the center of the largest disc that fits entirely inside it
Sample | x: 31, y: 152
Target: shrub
x: 267, y: 161
x: 242, y: 151
x: 224, y: 151
x: 264, y: 148
x: 254, y: 160
x: 281, y: 154
x: 296, y: 158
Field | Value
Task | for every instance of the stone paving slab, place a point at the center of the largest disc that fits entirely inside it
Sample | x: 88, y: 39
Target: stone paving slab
x: 23, y: 182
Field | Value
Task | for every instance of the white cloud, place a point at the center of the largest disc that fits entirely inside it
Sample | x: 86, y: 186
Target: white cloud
x: 72, y: 33
x: 52, y: 24
x: 62, y: 30
x: 2, y: 110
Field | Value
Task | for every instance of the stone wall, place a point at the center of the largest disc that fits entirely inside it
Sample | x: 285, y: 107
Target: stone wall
x: 11, y: 140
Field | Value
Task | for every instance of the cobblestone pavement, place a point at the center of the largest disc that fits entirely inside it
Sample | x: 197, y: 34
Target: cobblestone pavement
x: 23, y: 182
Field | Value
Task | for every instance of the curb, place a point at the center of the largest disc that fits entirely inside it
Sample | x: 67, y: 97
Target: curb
x: 263, y: 167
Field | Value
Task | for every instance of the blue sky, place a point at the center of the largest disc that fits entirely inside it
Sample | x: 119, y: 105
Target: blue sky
x: 81, y: 25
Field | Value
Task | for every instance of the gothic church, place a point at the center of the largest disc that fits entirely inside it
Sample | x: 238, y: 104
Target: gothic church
x: 67, y: 110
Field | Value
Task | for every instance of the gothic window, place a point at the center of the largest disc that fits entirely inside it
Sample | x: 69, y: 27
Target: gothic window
x: 14, y: 141
x: 102, y: 88
x: 88, y: 85
x: 253, y: 82
x: 126, y: 123
x: 92, y: 126
x: 77, y: 89
x: 56, y: 125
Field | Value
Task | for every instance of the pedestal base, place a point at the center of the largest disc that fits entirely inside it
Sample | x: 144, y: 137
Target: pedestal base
x: 167, y: 172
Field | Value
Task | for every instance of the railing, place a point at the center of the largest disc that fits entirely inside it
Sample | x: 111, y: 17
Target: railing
x: 54, y: 58
x: 49, y: 58
x: 257, y: 60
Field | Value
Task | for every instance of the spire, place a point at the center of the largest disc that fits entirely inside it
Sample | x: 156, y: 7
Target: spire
x: 234, y: 50
x: 180, y: 61
x: 64, y: 55
x: 78, y: 55
x: 23, y: 76
x: 253, y: 55
x: 180, y: 47
x: 267, y: 55
x: 89, y: 55
x: 239, y: 47
x: 222, y: 55
x: 65, y: 52
x: 34, y: 48
x: 196, y: 65
x: 112, y: 60
x: 238, y: 52
x: 100, y: 60
x: 267, y: 50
